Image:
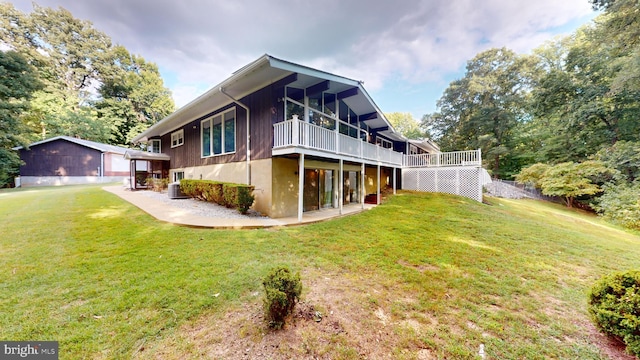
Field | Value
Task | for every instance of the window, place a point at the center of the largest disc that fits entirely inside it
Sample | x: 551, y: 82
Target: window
x: 178, y: 175
x: 154, y: 146
x: 413, y: 150
x: 177, y: 138
x: 219, y: 134
x: 384, y: 143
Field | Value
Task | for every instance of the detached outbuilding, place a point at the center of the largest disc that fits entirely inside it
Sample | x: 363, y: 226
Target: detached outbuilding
x: 65, y: 160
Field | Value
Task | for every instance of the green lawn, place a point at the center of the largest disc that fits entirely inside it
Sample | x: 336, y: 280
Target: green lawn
x: 83, y: 267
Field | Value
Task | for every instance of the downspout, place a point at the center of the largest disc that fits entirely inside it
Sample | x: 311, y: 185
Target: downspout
x: 248, y: 133
x: 101, y: 167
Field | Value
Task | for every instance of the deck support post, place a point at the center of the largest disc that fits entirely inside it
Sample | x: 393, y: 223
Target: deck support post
x: 394, y: 180
x: 378, y: 197
x: 362, y: 188
x: 300, y: 186
x: 341, y: 186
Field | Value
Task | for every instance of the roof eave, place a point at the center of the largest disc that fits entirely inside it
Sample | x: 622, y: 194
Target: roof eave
x: 142, y: 137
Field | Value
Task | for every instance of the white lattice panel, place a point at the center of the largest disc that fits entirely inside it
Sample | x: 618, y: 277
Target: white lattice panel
x: 463, y: 180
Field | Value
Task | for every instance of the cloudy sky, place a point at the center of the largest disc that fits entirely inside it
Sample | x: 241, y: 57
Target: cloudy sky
x: 405, y: 51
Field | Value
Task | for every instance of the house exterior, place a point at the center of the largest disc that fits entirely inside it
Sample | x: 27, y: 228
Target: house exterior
x: 64, y: 160
x: 306, y: 139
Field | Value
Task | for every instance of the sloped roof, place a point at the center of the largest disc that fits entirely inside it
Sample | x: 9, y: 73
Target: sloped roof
x: 262, y: 72
x: 86, y: 143
x: 426, y: 144
x: 145, y: 155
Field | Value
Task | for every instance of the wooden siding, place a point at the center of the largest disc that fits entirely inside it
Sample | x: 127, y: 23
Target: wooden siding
x: 189, y: 153
x: 59, y: 158
x: 265, y: 111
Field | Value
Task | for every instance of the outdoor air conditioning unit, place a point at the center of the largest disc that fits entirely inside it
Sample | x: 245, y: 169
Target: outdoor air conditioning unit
x: 174, y: 191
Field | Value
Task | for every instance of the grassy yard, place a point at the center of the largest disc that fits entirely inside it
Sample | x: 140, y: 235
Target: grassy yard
x: 422, y: 276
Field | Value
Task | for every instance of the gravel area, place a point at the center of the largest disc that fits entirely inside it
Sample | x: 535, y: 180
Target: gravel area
x: 201, y: 208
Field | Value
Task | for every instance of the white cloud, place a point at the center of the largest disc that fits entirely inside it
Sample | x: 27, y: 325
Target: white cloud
x: 201, y: 42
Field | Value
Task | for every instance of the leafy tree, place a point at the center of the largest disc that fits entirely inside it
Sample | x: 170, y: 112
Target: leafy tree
x: 533, y: 174
x: 568, y: 180
x: 623, y: 156
x: 620, y: 203
x: 133, y: 95
x: 588, y: 94
x: 93, y: 89
x: 483, y: 109
x: 18, y: 81
x: 406, y: 125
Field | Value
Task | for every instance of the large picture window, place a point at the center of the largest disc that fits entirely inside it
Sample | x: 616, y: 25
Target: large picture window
x: 219, y: 134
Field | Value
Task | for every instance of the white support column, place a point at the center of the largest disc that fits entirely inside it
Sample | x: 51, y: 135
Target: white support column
x: 378, y: 194
x: 132, y: 175
x: 362, y: 186
x: 336, y: 190
x: 394, y: 180
x: 295, y: 131
x: 300, y: 186
x: 341, y: 186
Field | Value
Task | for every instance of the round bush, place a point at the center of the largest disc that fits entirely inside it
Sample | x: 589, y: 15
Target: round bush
x: 282, y: 289
x: 614, y: 305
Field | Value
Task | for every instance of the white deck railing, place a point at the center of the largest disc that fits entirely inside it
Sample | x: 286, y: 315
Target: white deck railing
x: 296, y: 133
x: 455, y: 158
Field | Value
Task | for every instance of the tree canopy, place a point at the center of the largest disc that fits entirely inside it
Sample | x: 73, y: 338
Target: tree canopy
x: 93, y: 88
x: 484, y: 108
x: 563, y: 103
x: 564, y: 118
x: 405, y: 124
x: 78, y: 82
x: 18, y: 81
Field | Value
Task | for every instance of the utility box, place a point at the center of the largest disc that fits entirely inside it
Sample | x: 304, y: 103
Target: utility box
x: 174, y: 191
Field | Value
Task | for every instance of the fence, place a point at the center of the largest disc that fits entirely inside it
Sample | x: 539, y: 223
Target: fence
x: 463, y: 180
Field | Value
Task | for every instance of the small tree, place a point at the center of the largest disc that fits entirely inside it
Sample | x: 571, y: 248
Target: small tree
x: 568, y: 180
x: 282, y: 289
x: 533, y: 174
x: 564, y: 180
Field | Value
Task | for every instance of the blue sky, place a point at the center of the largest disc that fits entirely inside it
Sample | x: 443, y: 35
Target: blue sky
x: 405, y: 51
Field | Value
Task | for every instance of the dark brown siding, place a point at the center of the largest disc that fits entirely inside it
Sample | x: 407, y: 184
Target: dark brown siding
x: 59, y: 158
x: 265, y: 111
x: 189, y: 154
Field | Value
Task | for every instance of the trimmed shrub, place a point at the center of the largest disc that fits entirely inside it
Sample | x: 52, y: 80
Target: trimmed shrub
x: 614, y: 305
x: 245, y: 198
x: 217, y: 195
x: 210, y: 190
x: 189, y: 188
x: 230, y: 194
x: 236, y: 196
x: 282, y: 291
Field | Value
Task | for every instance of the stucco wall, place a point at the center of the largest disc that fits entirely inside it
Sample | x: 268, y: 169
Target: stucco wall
x: 284, y: 187
x: 261, y: 171
x: 231, y: 172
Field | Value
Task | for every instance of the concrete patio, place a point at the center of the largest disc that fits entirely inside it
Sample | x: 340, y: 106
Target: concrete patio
x: 179, y: 216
